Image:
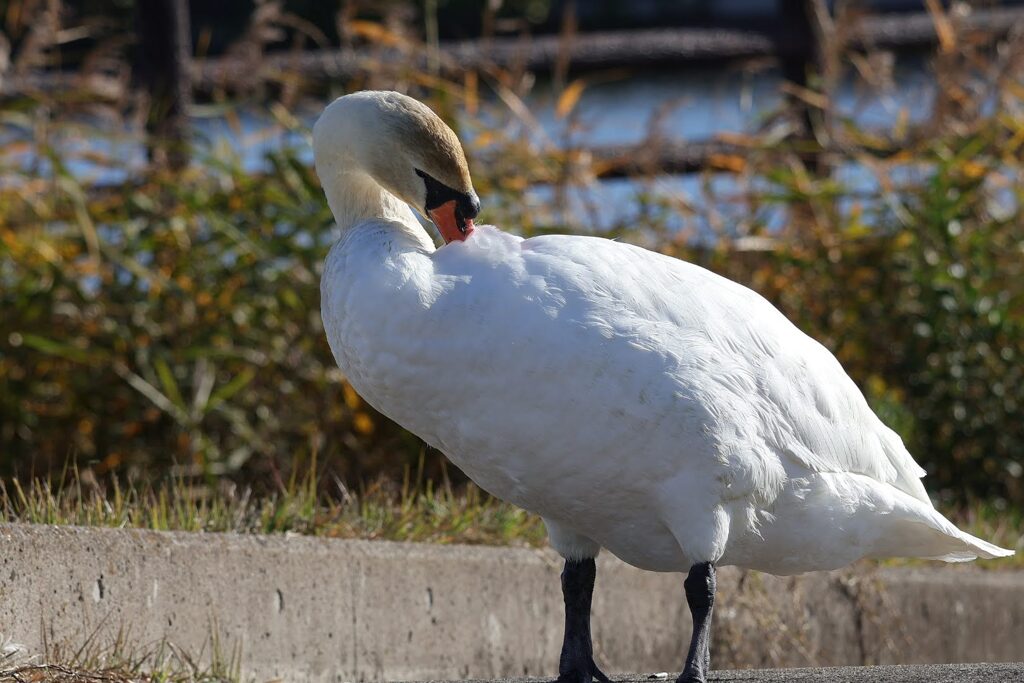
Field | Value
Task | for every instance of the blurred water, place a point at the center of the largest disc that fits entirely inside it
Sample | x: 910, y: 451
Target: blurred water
x: 687, y: 104
x: 697, y: 104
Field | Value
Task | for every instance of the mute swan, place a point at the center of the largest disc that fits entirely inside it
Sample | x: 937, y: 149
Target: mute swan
x: 636, y: 402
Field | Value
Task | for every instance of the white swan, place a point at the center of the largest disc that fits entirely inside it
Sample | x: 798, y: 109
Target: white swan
x: 636, y: 402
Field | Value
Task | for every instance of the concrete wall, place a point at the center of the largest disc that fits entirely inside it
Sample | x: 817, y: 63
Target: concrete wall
x: 329, y: 610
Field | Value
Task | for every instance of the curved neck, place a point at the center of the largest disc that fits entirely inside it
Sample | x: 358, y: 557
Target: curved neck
x: 355, y: 197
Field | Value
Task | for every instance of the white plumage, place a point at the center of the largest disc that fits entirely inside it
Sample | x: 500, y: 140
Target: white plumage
x: 636, y: 402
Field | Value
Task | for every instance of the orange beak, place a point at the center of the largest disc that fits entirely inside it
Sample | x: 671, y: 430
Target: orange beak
x: 453, y: 227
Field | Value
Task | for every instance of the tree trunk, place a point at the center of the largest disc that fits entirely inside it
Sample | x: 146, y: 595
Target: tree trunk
x: 162, y: 69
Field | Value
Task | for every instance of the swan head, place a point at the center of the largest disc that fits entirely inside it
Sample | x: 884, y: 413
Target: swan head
x: 405, y: 148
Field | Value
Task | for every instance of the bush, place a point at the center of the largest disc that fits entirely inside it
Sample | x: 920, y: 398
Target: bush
x: 171, y: 323
x: 175, y: 321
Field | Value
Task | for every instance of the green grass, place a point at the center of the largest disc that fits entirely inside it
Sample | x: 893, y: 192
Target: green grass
x: 426, y: 513
x: 414, y: 512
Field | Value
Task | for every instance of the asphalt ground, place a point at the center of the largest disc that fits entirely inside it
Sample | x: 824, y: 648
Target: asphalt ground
x: 932, y: 673
x: 935, y: 673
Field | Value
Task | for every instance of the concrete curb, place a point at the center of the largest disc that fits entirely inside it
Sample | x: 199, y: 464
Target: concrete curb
x: 316, y: 609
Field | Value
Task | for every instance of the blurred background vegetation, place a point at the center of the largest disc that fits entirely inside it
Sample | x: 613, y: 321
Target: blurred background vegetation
x: 160, y: 312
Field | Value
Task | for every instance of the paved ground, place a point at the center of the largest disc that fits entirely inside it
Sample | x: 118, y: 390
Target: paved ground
x: 937, y: 673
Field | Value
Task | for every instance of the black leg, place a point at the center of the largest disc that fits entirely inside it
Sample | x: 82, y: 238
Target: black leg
x: 700, y: 596
x: 576, y: 664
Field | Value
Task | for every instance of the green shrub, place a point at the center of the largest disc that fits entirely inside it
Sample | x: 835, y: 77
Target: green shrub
x: 170, y: 324
x: 174, y: 322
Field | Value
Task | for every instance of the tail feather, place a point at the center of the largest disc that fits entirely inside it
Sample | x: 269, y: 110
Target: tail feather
x: 977, y: 549
x: 919, y: 530
x: 948, y: 543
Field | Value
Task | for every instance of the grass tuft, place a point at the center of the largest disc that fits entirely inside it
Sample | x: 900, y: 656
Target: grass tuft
x: 124, y: 661
x: 415, y: 512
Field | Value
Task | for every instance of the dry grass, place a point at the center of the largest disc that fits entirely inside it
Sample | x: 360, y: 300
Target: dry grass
x: 416, y: 511
x: 57, y: 673
x: 121, y: 661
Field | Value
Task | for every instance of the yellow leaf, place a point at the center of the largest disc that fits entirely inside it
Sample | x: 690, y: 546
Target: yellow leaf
x: 48, y: 253
x: 377, y: 33
x: 485, y: 138
x: 352, y: 399
x: 516, y: 183
x: 902, y: 122
x: 811, y: 97
x: 569, y: 97
x: 10, y: 239
x: 728, y: 162
x: 904, y: 240
x: 974, y: 170
x: 943, y: 26
x: 362, y: 423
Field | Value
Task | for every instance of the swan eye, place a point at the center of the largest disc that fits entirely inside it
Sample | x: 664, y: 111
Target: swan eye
x: 467, y: 203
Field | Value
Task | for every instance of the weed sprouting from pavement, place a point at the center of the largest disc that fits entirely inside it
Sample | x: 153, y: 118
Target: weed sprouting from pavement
x: 124, y: 660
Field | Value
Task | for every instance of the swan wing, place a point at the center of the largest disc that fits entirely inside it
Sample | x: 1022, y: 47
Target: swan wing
x: 774, y: 396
